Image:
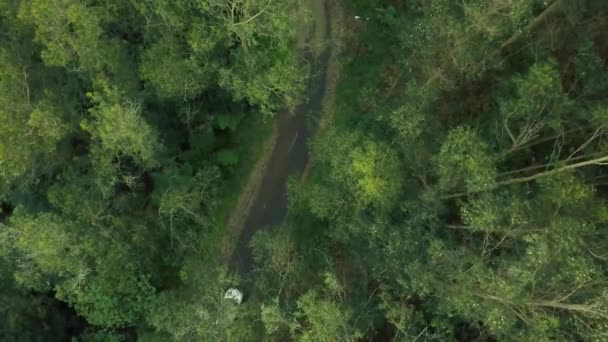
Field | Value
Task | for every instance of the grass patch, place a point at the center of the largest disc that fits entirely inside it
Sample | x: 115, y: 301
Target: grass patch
x: 368, y: 65
x: 249, y: 138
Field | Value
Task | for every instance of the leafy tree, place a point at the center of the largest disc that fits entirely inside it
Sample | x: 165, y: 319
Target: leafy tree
x: 118, y: 125
x: 458, y: 194
x: 463, y: 158
x: 118, y: 130
x: 204, y: 314
x: 324, y: 320
x: 74, y: 37
x: 361, y: 166
x: 251, y: 38
x: 186, y: 203
x: 495, y: 230
x: 105, y: 288
x: 33, y: 122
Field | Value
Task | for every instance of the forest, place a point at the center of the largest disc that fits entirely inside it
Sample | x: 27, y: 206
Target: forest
x: 456, y: 186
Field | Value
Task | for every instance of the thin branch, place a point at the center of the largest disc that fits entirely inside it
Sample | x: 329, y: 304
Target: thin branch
x: 508, y: 130
x: 598, y: 161
x: 256, y: 15
x: 601, y: 257
x: 540, y: 141
x: 27, y: 87
x: 544, y: 166
x: 504, y: 238
x: 532, y: 26
x: 586, y: 143
x: 589, y: 309
x: 422, y: 332
x: 392, y: 88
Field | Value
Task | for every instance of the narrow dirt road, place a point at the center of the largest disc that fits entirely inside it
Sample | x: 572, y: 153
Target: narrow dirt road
x: 290, y: 153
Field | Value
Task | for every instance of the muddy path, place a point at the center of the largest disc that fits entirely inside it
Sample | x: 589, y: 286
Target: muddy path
x: 289, y: 155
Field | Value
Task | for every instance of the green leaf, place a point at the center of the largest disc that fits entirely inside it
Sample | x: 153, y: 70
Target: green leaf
x: 227, y: 157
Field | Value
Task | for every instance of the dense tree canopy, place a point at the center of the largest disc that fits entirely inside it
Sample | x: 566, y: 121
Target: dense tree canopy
x: 118, y: 143
x: 458, y: 192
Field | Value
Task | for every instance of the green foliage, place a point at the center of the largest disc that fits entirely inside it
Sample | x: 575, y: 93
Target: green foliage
x: 458, y: 193
x: 230, y: 122
x: 26, y: 316
x: 324, y: 320
x: 538, y: 91
x: 119, y: 127
x: 180, y: 193
x: 244, y: 46
x: 33, y: 123
x: 227, y: 158
x: 491, y: 142
x: 588, y: 65
x: 69, y: 31
x: 363, y: 167
x: 107, y: 289
x: 102, y: 336
x: 465, y: 159
x: 204, y: 314
x: 494, y: 213
x: 448, y: 41
x: 166, y: 67
x: 115, y: 299
x: 73, y: 36
x: 108, y: 181
x: 538, y: 103
x: 273, y: 320
x: 279, y: 261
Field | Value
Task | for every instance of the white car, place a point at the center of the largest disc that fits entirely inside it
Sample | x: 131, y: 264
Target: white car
x: 234, y: 294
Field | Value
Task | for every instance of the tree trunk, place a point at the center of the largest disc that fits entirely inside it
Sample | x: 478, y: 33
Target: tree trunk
x: 535, y: 24
x: 585, y: 309
x: 596, y: 161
